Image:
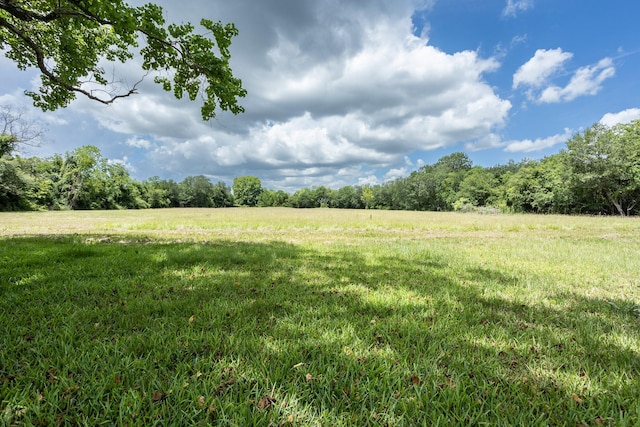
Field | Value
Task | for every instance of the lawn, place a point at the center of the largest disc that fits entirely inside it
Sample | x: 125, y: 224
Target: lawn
x: 318, y: 317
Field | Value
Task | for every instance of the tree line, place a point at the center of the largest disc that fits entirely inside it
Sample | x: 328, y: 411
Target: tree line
x: 597, y: 173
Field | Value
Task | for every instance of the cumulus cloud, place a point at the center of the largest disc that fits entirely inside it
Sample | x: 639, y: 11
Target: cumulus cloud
x: 623, y: 117
x: 536, y: 71
x: 527, y: 145
x: 494, y: 141
x: 586, y: 81
x: 11, y: 99
x: 396, y: 173
x: 536, y: 75
x: 331, y: 86
x: 139, y: 143
x: 489, y: 141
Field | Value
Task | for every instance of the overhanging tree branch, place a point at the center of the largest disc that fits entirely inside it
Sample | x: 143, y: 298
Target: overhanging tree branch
x: 40, y: 56
x: 65, y: 44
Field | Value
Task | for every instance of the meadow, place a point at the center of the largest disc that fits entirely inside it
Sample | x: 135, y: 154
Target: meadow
x: 276, y: 316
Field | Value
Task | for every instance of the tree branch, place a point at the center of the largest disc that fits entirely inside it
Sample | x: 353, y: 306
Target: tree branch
x: 28, y: 15
x: 83, y: 12
x: 65, y: 40
x: 89, y: 15
x: 40, y: 59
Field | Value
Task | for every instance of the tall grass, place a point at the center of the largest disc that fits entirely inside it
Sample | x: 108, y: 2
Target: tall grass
x: 318, y: 317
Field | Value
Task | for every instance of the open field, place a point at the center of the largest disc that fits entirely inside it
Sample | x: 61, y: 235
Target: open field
x: 318, y: 317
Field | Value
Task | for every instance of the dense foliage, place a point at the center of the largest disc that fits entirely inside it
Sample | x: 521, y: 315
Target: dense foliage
x: 597, y: 173
x: 72, y: 43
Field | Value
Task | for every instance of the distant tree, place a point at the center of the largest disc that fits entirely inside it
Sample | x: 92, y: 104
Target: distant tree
x: 346, y: 198
x: 7, y: 144
x: 13, y: 182
x: 449, y: 172
x: 172, y: 190
x: 16, y: 129
x: 66, y: 40
x: 422, y: 190
x: 303, y: 198
x: 499, y: 171
x: 538, y: 186
x: 281, y: 198
x: 384, y: 195
x: 455, y: 162
x: 86, y: 180
x: 321, y: 196
x: 273, y: 198
x: 267, y: 198
x: 155, y: 194
x: 367, y: 197
x: 197, y: 192
x: 605, y: 163
x: 247, y: 190
x: 478, y: 187
x: 82, y: 181
x: 221, y: 195
x: 42, y: 188
x: 123, y: 192
x: 555, y: 178
x: 13, y: 185
x: 392, y: 194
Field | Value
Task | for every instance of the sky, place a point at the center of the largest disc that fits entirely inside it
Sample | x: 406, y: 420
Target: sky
x: 358, y: 92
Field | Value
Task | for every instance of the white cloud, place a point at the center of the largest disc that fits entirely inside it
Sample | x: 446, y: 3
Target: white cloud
x: 536, y: 74
x: 586, y: 81
x: 368, y: 180
x: 519, y: 39
x: 328, y: 90
x: 623, y: 117
x: 337, y: 91
x: 396, y: 173
x: 8, y: 99
x: 527, y: 145
x: 124, y: 162
x: 146, y: 114
x: 20, y: 103
x: 514, y: 7
x: 487, y: 142
x: 139, y: 143
x: 543, y: 64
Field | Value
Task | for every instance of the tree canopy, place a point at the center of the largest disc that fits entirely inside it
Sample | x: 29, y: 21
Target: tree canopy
x: 247, y: 190
x: 598, y: 173
x: 67, y: 41
x: 606, y: 163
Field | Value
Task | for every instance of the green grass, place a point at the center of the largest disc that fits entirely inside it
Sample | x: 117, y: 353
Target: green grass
x: 319, y: 317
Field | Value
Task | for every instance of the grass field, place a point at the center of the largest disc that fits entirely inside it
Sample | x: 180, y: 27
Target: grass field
x: 318, y: 317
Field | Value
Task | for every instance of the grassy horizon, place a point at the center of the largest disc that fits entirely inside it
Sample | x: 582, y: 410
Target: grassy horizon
x: 318, y: 317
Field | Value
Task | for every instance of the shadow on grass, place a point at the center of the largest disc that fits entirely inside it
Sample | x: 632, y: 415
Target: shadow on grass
x: 236, y: 333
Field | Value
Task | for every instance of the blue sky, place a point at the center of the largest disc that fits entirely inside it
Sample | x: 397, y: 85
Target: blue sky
x: 587, y: 32
x: 364, y: 91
